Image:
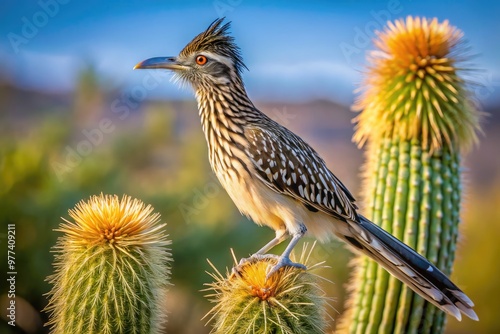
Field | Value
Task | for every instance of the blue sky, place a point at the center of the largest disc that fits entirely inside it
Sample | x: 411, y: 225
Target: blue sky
x: 294, y: 50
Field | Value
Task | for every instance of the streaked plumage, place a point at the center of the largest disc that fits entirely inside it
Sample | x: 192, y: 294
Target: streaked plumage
x: 278, y: 180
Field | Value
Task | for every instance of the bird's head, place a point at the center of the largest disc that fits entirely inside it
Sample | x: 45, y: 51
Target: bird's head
x: 211, y: 58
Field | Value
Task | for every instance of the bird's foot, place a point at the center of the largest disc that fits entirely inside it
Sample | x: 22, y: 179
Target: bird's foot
x: 283, y: 262
x: 252, y: 259
x: 258, y: 257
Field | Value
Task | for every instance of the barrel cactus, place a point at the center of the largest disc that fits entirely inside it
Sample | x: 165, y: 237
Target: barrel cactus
x: 289, y: 302
x: 111, y: 269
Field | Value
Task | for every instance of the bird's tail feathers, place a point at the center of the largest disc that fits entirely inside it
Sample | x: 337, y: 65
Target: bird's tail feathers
x: 410, y: 267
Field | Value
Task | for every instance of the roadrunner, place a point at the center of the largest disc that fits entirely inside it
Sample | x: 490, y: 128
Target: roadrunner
x: 275, y: 178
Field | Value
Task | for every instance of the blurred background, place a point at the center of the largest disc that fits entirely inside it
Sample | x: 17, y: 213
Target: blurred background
x: 75, y: 121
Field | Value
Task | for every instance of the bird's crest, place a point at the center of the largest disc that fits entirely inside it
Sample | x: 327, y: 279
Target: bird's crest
x: 216, y: 39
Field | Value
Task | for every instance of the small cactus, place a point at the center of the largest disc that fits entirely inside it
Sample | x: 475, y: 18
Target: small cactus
x: 289, y: 302
x: 417, y: 116
x: 111, y: 269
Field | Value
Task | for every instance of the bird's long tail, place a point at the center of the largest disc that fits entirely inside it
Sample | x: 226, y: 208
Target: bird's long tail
x: 410, y: 267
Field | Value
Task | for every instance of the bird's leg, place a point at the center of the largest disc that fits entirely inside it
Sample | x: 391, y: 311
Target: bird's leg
x: 284, y: 259
x: 281, y: 235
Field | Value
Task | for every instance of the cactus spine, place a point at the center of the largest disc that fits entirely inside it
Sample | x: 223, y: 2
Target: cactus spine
x: 417, y: 115
x: 111, y: 269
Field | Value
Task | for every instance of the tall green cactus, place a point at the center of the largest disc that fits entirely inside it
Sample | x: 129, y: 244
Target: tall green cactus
x: 112, y: 269
x: 416, y: 116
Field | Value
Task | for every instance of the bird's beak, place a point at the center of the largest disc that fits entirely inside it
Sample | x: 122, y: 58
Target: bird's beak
x: 169, y: 63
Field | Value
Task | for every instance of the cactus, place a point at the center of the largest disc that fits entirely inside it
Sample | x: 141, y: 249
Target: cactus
x: 289, y: 302
x: 111, y: 269
x: 417, y: 116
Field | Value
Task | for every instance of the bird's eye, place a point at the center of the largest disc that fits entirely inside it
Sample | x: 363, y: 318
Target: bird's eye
x: 201, y: 60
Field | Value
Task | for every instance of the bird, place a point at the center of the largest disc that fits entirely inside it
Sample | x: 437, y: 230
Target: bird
x: 278, y: 180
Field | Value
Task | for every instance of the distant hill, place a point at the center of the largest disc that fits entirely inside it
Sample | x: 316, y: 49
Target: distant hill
x: 326, y: 125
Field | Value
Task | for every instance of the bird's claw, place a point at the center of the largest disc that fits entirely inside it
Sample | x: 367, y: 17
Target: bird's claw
x: 254, y: 258
x: 258, y: 257
x: 283, y: 262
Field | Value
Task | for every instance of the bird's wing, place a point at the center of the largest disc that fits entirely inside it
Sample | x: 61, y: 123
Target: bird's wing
x: 288, y: 165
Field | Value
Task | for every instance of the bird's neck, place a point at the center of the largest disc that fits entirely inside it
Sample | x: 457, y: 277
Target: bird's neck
x: 224, y: 110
